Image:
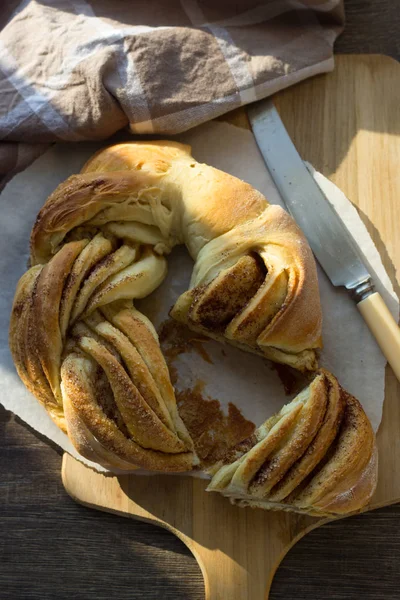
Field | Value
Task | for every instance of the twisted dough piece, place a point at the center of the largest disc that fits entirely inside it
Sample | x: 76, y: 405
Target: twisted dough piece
x: 316, y: 456
x: 99, y: 242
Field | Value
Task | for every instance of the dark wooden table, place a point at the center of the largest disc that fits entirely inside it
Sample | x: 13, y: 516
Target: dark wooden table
x: 51, y: 547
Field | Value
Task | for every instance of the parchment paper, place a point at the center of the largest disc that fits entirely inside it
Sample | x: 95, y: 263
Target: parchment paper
x: 350, y: 351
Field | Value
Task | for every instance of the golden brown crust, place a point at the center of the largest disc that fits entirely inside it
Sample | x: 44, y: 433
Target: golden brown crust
x: 320, y: 444
x: 118, y: 448
x: 99, y: 242
x: 317, y: 456
x: 114, y: 408
x: 291, y: 330
x: 332, y: 488
x: 46, y: 304
x: 221, y: 220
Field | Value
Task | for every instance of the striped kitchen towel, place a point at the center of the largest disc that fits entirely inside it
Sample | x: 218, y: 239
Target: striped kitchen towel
x: 73, y: 70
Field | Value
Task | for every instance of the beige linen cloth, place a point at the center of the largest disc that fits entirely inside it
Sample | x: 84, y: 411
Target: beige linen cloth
x: 73, y: 70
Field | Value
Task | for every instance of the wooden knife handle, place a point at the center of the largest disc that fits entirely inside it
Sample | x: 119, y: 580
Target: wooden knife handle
x: 383, y: 327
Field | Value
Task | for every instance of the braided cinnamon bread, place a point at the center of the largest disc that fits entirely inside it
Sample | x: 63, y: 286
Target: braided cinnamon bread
x: 99, y: 242
x: 316, y: 456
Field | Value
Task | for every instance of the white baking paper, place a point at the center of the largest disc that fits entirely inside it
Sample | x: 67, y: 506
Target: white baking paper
x: 248, y: 381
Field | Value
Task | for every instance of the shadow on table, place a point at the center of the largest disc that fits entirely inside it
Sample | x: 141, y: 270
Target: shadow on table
x: 325, y: 114
x: 51, y: 547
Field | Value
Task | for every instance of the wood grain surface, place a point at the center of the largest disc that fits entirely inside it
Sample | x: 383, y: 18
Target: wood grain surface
x: 51, y: 547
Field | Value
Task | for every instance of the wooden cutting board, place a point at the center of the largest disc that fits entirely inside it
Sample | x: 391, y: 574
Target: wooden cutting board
x: 347, y: 124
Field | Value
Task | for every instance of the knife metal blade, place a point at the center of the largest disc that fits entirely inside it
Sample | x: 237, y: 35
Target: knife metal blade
x: 328, y: 237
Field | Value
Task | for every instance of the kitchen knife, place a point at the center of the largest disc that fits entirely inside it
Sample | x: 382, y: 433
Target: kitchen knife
x: 328, y: 237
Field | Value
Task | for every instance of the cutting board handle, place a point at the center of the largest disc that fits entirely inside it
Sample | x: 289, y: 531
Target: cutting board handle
x: 238, y: 556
